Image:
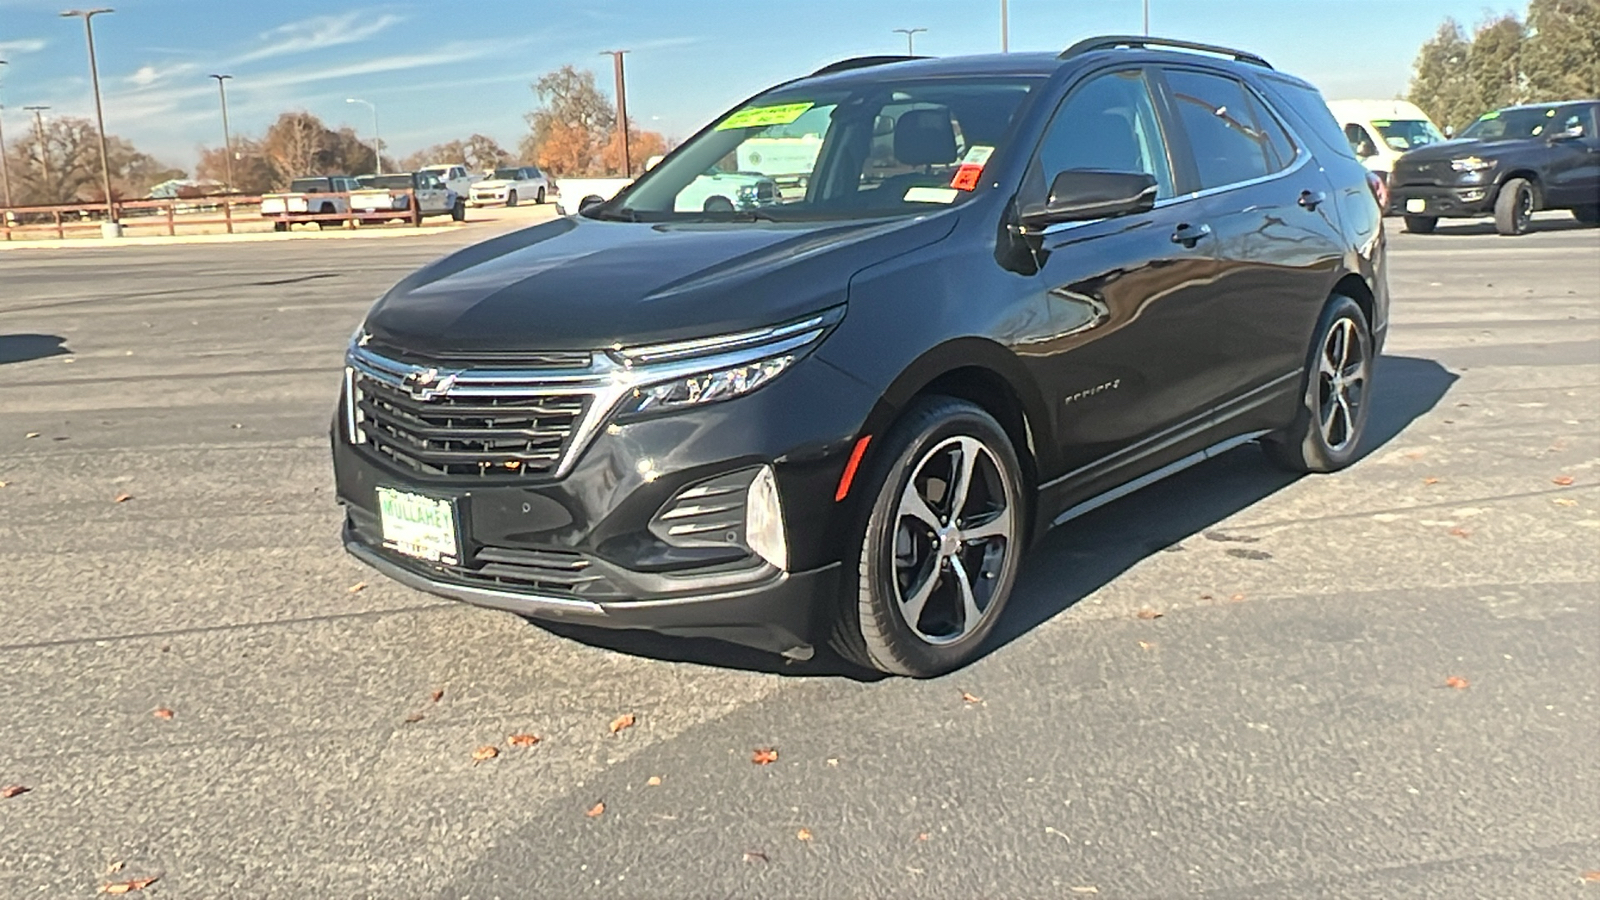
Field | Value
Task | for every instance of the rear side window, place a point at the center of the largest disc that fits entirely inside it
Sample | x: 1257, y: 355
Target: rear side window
x: 1308, y: 113
x: 1229, y: 145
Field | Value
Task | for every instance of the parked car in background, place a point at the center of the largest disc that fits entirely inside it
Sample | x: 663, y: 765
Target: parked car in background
x: 717, y: 191
x: 1508, y: 164
x: 1381, y: 130
x: 840, y: 419
x: 510, y: 186
x: 383, y: 198
x: 454, y: 177
x: 308, y: 198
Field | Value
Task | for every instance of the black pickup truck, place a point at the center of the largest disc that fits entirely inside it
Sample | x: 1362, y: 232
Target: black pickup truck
x: 1507, y: 164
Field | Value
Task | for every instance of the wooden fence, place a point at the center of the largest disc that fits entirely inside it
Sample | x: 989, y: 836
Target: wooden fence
x: 166, y: 216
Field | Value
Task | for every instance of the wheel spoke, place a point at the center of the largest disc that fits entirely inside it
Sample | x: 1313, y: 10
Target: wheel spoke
x: 969, y: 602
x: 1325, y: 366
x: 911, y: 607
x: 1345, y: 328
x: 998, y: 526
x: 968, y: 448
x: 914, y: 505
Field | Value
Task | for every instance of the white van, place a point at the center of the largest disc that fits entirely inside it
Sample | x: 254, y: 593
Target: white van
x: 1380, y: 130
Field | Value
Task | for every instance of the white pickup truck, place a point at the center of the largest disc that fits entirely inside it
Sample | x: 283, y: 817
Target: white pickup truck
x: 455, y: 177
x: 386, y: 197
x: 310, y: 199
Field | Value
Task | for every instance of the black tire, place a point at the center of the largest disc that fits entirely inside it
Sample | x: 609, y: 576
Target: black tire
x: 539, y: 197
x: 1513, y: 208
x: 1588, y: 215
x: 1325, y: 435
x: 895, y: 546
x: 511, y: 199
x: 280, y: 226
x: 458, y: 213
x: 1421, y: 224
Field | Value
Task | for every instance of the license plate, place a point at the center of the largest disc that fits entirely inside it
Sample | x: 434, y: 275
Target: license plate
x: 418, y: 526
x: 1416, y: 205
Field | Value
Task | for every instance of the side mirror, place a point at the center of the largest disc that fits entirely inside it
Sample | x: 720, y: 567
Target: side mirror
x: 591, y: 200
x: 1080, y: 195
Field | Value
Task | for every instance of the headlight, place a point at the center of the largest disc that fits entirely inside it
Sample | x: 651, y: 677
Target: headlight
x: 681, y: 374
x: 1471, y: 164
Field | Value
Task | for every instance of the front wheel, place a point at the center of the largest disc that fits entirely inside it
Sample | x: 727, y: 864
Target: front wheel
x: 941, y: 544
x: 1335, y: 398
x: 1513, y: 209
x: 539, y: 198
x: 1421, y: 224
x: 458, y: 213
x: 511, y: 199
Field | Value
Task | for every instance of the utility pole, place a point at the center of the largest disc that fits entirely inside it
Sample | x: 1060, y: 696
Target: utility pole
x: 227, y: 142
x: 1146, y: 18
x: 112, y: 228
x: 44, y: 152
x: 909, y: 33
x: 5, y: 165
x: 622, y: 107
x: 1005, y: 27
x: 377, y: 143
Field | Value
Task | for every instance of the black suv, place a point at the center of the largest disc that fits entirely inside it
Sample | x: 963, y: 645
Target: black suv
x: 1002, y: 291
x: 1507, y: 164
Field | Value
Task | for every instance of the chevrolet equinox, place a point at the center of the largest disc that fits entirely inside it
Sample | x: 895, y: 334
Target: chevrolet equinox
x: 985, y: 295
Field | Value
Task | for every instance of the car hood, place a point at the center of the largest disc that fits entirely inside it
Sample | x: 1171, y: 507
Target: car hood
x: 583, y: 284
x: 1462, y: 147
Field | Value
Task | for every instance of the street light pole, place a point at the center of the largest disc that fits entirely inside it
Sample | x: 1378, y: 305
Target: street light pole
x: 5, y: 164
x: 99, y: 114
x: 622, y: 107
x: 1146, y: 18
x: 44, y: 152
x: 909, y: 33
x: 1005, y: 27
x: 377, y: 143
x: 227, y: 141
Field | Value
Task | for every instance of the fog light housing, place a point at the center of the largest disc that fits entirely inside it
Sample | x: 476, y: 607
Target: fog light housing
x: 1472, y: 196
x: 764, y: 519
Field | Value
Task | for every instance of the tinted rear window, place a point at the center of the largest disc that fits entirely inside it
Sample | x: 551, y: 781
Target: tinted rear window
x: 309, y: 185
x: 1308, y: 113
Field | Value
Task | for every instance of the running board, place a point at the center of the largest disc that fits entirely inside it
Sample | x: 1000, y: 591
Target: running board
x: 1144, y: 481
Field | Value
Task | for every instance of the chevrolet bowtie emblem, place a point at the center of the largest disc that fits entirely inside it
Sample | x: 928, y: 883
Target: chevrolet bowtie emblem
x: 426, y: 384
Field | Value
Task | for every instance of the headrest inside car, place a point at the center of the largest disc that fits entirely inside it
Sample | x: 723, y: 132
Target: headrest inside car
x: 925, y: 137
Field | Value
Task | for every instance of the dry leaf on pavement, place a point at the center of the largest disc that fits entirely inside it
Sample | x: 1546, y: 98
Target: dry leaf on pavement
x: 31, y: 434
x: 126, y: 887
x: 161, y: 712
x: 414, y: 718
x: 437, y: 695
x: 1085, y: 889
x: 13, y: 790
x: 1149, y: 614
x: 764, y: 756
x: 523, y: 740
x: 756, y: 856
x: 122, y: 498
x: 356, y: 588
x: 1237, y: 598
x: 1460, y: 532
x: 969, y: 698
x: 487, y: 751
x: 1591, y: 876
x: 621, y: 722
x: 1145, y: 645
x: 803, y: 834
x: 1430, y: 481
x: 1564, y: 501
x: 1562, y: 480
x: 653, y: 780
x: 1456, y: 681
x: 595, y: 810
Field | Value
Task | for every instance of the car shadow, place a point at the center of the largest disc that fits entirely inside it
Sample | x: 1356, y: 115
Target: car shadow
x: 1448, y: 227
x: 15, y: 348
x: 1077, y: 559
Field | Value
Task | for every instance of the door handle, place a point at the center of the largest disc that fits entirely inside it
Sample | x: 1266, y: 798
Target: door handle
x: 1189, y: 235
x: 1312, y: 199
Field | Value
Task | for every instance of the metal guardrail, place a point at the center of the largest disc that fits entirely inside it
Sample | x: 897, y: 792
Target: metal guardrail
x: 168, y: 215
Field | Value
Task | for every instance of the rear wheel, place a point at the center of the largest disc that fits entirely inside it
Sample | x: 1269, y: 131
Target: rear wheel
x: 1513, y: 209
x: 1588, y: 215
x: 1327, y: 428
x: 1421, y: 224
x: 539, y: 198
x: 511, y: 199
x: 458, y: 213
x: 280, y: 226
x: 940, y: 547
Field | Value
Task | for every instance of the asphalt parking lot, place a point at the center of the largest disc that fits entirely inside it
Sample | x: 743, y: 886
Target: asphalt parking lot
x: 1284, y: 728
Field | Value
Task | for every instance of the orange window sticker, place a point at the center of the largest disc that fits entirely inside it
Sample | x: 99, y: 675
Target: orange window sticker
x: 967, y: 177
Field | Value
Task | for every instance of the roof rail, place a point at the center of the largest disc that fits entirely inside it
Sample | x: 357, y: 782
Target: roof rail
x: 860, y: 62
x: 1112, y: 41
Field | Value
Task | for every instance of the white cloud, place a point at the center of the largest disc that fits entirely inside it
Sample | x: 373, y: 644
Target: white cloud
x: 148, y: 75
x: 318, y: 33
x: 24, y: 45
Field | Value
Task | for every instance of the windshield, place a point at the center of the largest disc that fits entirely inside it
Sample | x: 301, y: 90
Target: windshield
x: 508, y: 174
x: 309, y: 185
x: 869, y: 150
x: 1407, y: 134
x: 1511, y: 124
x: 389, y: 181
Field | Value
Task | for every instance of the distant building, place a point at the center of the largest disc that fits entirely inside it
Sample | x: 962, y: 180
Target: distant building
x: 184, y: 187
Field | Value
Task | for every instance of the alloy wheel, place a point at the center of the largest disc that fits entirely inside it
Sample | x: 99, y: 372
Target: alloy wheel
x: 1342, y: 383
x: 1524, y: 210
x: 953, y: 537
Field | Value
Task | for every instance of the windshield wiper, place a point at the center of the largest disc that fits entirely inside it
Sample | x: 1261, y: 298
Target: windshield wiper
x: 620, y: 214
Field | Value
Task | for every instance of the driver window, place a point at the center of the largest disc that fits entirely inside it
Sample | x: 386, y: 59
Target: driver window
x: 1108, y: 124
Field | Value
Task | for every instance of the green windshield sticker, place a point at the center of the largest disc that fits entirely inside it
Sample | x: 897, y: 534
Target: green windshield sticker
x: 763, y: 116
x: 1487, y: 116
x: 1382, y: 123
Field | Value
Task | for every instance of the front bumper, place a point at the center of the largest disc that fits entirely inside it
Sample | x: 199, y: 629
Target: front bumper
x: 1463, y: 201
x: 581, y: 547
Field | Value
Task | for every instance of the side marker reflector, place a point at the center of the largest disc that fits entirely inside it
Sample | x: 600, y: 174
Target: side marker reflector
x: 850, y: 467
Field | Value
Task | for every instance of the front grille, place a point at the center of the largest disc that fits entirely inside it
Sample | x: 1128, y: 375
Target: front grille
x: 1430, y: 173
x: 482, y: 435
x: 557, y: 572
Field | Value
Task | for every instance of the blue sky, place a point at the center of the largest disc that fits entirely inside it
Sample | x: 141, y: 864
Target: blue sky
x: 441, y: 70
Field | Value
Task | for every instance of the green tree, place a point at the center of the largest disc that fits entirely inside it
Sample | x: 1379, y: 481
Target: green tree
x: 70, y: 153
x: 1494, y: 63
x: 1562, y: 56
x: 478, y: 152
x: 1441, y: 80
